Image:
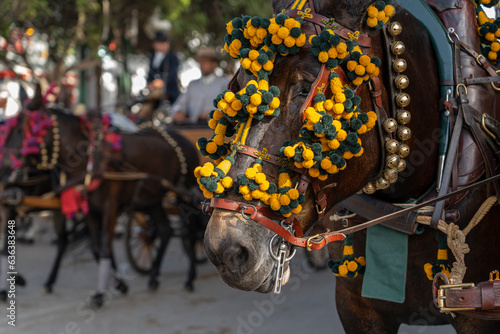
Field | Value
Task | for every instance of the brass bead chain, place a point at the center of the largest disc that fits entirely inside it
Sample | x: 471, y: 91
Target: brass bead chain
x: 56, y: 144
x: 397, y: 129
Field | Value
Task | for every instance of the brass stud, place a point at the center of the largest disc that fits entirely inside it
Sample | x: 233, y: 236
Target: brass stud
x: 404, y: 133
x: 401, y: 165
x: 398, y: 48
x: 403, y: 151
x: 390, y: 125
x: 399, y: 65
x: 404, y: 117
x: 403, y: 100
x: 382, y: 183
x: 55, y: 130
x: 56, y: 136
x: 370, y: 188
x: 392, y: 161
x: 401, y: 81
x: 391, y: 146
x: 395, y: 28
x: 391, y: 174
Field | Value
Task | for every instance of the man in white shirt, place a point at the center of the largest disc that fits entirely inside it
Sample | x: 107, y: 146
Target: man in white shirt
x: 195, y: 104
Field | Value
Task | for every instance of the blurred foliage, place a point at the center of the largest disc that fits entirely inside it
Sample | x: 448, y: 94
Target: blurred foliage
x: 73, y: 23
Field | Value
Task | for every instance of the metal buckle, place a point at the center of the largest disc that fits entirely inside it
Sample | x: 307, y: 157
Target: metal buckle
x: 493, y: 84
x: 441, y: 298
x: 281, y: 258
x: 309, y: 240
x: 497, y: 275
x: 205, y: 207
x: 458, y: 93
x: 320, y: 212
x: 479, y: 61
x: 243, y: 208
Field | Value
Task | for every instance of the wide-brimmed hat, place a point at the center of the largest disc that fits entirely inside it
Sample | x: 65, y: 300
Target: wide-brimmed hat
x: 160, y: 36
x: 207, y: 53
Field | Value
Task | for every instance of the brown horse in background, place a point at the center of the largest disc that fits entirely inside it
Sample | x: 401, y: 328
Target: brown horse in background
x: 145, y: 152
x: 239, y: 248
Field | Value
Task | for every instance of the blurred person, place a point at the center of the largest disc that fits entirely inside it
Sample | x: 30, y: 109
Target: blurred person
x: 194, y: 105
x: 164, y: 65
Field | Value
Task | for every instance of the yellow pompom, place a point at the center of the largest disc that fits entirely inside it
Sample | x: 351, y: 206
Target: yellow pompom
x: 341, y: 135
x: 347, y: 155
x: 205, y: 171
x: 428, y: 271
x: 222, y: 105
x: 300, y: 41
x: 341, y: 48
x: 287, y: 214
x: 257, y: 194
x: 273, y: 28
x: 495, y: 46
x: 358, y: 81
x: 340, y: 98
x: 289, y: 41
x: 372, y: 21
x: 307, y: 154
x: 264, y: 186
x: 389, y: 11
x: 245, y: 63
x: 490, y: 37
x: 284, y: 200
x: 208, y: 194
x: 289, y: 151
x: 333, y: 144
x: 492, y: 55
x: 260, y: 178
x: 352, y: 266
x: 197, y: 172
x: 293, y: 194
x: 244, y: 190
x: 247, y: 197
x: 314, y: 172
x: 227, y: 182
x: 258, y: 168
x: 275, y: 204
x: 252, y: 109
x: 236, y: 105
x: 218, y: 140
x: 283, y: 32
x: 212, y: 123
x: 250, y: 173
x: 351, y: 65
x: 326, y: 163
x: 256, y: 66
x: 253, y: 54
x: 256, y: 99
x: 308, y: 163
x: 268, y: 66
x: 220, y: 188
x: 372, y: 11
x: 333, y: 169
x: 323, y: 177
x: 275, y: 103
x: 338, y: 108
x: 328, y: 105
x: 297, y: 209
x: 360, y: 70
x: 381, y: 15
x: 323, y: 56
x: 343, y: 270
x: 332, y: 53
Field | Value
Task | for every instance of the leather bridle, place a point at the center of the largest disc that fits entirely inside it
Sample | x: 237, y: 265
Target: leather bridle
x: 264, y: 215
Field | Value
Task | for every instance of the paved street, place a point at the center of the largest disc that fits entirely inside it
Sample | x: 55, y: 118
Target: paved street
x: 305, y: 306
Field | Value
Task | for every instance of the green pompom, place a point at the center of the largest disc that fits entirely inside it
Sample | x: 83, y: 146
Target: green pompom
x: 237, y: 23
x: 280, y: 19
x: 295, y: 32
x: 376, y: 61
x: 275, y: 91
x: 272, y: 188
x: 265, y: 22
x: 380, y: 5
x: 315, y: 51
x: 283, y: 49
x: 332, y: 63
x: 211, y: 185
x: 363, y: 117
x: 255, y: 22
x: 262, y: 58
x: 253, y: 185
x: 202, y: 142
x: 356, y: 124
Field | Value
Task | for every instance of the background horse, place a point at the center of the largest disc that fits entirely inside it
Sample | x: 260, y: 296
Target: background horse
x: 113, y: 196
x: 239, y: 249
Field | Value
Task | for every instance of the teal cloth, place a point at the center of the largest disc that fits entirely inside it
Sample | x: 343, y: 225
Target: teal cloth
x: 386, y: 260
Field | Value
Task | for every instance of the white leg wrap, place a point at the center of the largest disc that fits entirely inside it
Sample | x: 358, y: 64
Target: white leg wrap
x: 103, y: 275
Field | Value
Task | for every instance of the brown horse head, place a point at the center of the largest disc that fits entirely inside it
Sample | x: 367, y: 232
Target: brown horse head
x: 240, y: 249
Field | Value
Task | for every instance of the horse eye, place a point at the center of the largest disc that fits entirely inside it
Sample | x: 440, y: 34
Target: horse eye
x: 304, y: 91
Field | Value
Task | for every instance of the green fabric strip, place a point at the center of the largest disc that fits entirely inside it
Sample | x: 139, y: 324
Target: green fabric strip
x: 386, y: 261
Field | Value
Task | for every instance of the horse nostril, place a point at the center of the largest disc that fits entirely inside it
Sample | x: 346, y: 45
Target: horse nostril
x: 240, y: 257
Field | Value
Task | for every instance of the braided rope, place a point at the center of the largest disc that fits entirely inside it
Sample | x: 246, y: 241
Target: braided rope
x: 456, y: 238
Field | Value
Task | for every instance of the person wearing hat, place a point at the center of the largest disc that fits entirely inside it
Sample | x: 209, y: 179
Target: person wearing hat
x: 164, y: 65
x: 194, y: 105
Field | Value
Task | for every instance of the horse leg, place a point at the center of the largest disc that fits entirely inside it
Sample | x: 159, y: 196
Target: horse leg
x: 357, y: 316
x: 189, y: 243
x: 164, y: 232
x: 62, y: 242
x: 105, y: 271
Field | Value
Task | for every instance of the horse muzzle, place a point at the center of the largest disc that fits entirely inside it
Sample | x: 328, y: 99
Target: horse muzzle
x: 236, y: 249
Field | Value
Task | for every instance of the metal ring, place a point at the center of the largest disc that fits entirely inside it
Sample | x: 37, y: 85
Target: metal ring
x: 271, y: 248
x: 451, y: 30
x: 493, y: 85
x: 243, y: 208
x: 458, y: 94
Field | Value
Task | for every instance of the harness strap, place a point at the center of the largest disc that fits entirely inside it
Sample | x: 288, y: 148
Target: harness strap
x: 255, y: 213
x: 269, y: 158
x: 321, y: 81
x: 479, y: 59
x: 323, y: 21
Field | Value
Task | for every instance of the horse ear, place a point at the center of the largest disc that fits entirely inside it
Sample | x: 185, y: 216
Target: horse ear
x: 37, y: 101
